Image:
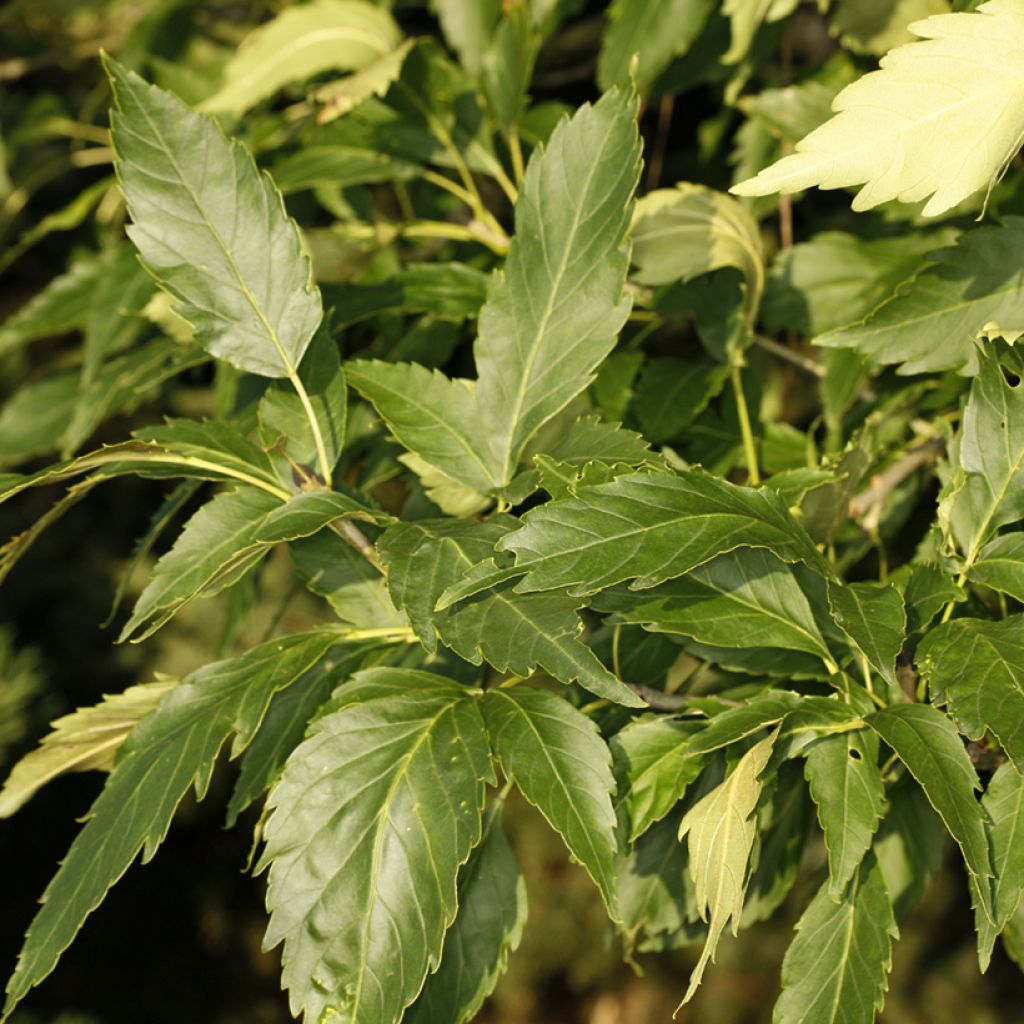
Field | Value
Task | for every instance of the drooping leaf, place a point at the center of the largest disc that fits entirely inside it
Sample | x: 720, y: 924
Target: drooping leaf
x: 656, y: 31
x: 373, y: 816
x: 489, y: 925
x: 720, y: 833
x: 172, y: 748
x: 874, y: 618
x: 216, y: 548
x: 86, y: 740
x: 310, y: 511
x: 745, y: 598
x: 650, y: 527
x: 325, y: 35
x: 836, y: 970
x: 745, y: 18
x: 373, y: 79
x: 681, y: 233
x: 931, y: 322
x: 553, y: 314
x: 975, y: 667
x: 652, y: 758
x: 926, y: 741
x: 1001, y: 565
x: 1004, y: 803
x: 933, y: 123
x: 221, y: 244
x: 560, y: 763
x: 848, y: 790
x: 511, y: 631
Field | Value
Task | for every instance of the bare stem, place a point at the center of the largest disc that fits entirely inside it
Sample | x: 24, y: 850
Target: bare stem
x: 318, y: 437
x: 749, y: 447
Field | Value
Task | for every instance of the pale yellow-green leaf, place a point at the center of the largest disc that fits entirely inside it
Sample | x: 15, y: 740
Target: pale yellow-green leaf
x: 682, y: 232
x: 347, y: 93
x: 939, y: 120
x: 720, y: 831
x: 746, y: 17
x: 876, y: 26
x: 160, y: 311
x: 325, y: 35
x: 86, y: 740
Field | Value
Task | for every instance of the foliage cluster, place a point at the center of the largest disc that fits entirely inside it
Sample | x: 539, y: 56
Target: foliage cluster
x: 586, y: 514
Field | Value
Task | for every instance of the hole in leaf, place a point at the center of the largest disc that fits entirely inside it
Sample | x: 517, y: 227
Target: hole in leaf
x: 1010, y: 377
x: 856, y: 755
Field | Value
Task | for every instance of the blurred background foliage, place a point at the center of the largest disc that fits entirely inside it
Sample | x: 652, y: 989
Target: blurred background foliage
x: 179, y: 941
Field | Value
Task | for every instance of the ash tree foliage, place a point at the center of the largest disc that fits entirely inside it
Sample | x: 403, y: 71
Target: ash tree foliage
x: 680, y: 512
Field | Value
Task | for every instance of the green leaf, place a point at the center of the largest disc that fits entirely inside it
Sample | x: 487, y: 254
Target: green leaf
x: 489, y: 925
x: 221, y: 244
x: 976, y: 667
x: 746, y: 598
x: 671, y: 394
x: 429, y: 414
x: 836, y: 279
x: 926, y: 591
x: 216, y: 548
x: 556, y: 757
x: 933, y: 123
x: 991, y: 454
x: 847, y: 788
x: 925, y: 740
x: 344, y: 95
x: 681, y: 233
x: 332, y: 568
x: 86, y: 740
x: 1001, y: 565
x: 513, y: 632
x: 876, y: 26
x: 931, y: 322
x: 371, y: 820
x: 720, y: 834
x: 1004, y: 803
x: 467, y: 26
x: 875, y: 620
x: 283, y: 416
x: 172, y: 748
x: 310, y: 511
x: 300, y: 42
x: 648, y: 526
x: 652, y: 757
x: 554, y: 313
x: 506, y: 66
x: 836, y: 970
x: 655, y: 31
x: 448, y: 291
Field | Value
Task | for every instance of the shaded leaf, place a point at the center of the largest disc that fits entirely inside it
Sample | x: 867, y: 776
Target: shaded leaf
x: 489, y: 925
x: 874, y: 618
x: 876, y: 26
x: 556, y: 757
x: 374, y: 79
x: 671, y: 394
x: 976, y: 667
x: 1001, y: 566
x: 310, y: 511
x: 374, y: 814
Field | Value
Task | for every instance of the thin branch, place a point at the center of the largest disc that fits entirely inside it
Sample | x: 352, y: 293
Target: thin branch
x: 873, y: 497
x: 674, y: 701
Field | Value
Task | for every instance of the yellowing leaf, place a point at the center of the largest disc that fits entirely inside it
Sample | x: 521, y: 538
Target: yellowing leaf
x: 941, y: 118
x: 874, y: 26
x: 721, y: 831
x: 86, y: 740
x: 302, y: 41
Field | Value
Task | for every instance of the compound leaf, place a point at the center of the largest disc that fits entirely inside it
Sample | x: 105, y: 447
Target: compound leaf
x: 221, y: 243
x: 939, y: 120
x: 373, y: 816
x: 560, y: 763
